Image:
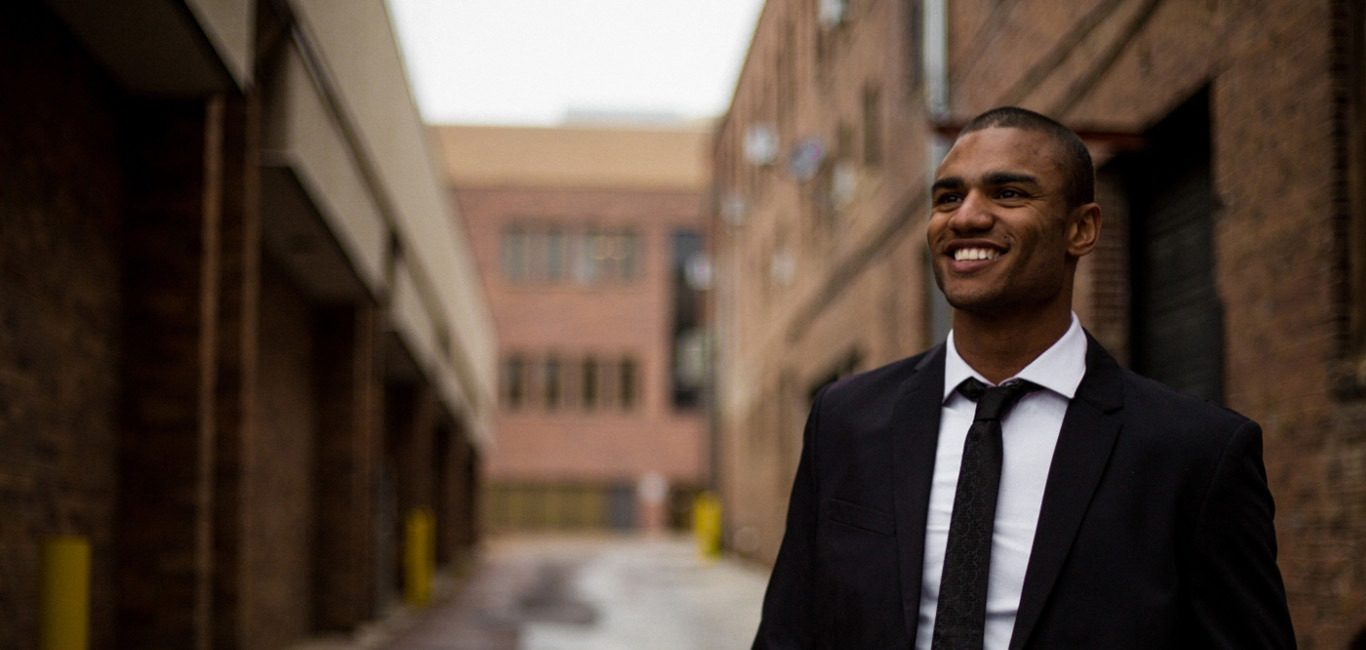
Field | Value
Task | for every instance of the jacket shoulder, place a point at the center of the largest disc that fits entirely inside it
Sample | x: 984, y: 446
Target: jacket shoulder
x: 881, y: 383
x: 1144, y: 400
x: 1170, y: 419
x: 1155, y: 397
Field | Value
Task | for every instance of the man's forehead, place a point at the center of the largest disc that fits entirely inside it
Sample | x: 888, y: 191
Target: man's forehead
x: 1001, y: 149
x: 990, y: 177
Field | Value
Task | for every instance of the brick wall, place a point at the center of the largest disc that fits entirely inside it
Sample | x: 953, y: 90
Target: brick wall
x: 1281, y: 260
x: 412, y: 413
x: 61, y: 315
x: 453, y: 501
x: 1270, y: 75
x: 191, y: 256
x: 348, y: 442
x: 278, y: 499
x: 816, y: 279
x: 232, y: 200
x: 1278, y: 273
x: 605, y: 444
x: 165, y: 572
x: 216, y: 438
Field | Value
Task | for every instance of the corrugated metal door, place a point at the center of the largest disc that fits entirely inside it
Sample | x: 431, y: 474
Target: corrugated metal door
x: 1177, y: 318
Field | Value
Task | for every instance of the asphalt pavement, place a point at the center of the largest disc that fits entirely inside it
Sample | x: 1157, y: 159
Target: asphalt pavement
x: 590, y: 593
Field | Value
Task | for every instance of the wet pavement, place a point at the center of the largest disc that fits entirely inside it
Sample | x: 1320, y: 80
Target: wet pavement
x: 592, y: 593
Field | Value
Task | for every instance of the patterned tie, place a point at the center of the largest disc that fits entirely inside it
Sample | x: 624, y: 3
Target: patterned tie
x: 961, y: 615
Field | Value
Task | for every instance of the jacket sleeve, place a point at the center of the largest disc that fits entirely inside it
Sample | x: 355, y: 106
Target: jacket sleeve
x: 1235, y: 593
x: 789, y: 611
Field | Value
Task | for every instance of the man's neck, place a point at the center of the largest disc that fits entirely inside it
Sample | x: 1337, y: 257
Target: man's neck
x: 1000, y: 348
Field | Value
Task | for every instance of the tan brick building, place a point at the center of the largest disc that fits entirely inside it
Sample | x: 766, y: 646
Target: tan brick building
x: 584, y: 237
x: 240, y: 340
x: 1229, y: 143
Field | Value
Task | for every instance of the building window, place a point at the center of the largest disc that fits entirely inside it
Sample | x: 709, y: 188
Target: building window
x: 688, y: 336
x: 872, y: 126
x: 589, y: 383
x: 589, y: 253
x: 1351, y: 186
x: 514, y: 254
x: 554, y: 382
x: 554, y: 254
x: 915, y: 39
x: 514, y: 382
x: 1349, y: 192
x: 586, y: 255
x: 627, y: 388
x: 630, y: 252
x: 607, y: 256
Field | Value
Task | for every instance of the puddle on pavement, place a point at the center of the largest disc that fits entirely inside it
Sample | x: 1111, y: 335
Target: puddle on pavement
x: 551, y: 598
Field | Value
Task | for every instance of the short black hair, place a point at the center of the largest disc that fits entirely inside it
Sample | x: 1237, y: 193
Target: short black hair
x: 1074, y: 159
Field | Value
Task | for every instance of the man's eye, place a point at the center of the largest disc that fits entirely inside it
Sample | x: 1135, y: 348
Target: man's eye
x: 946, y: 198
x: 1009, y: 193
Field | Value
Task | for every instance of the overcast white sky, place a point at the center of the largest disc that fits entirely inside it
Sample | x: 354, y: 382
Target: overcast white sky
x: 529, y: 61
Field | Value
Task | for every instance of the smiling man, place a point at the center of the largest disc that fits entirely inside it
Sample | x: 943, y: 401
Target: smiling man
x: 1014, y: 487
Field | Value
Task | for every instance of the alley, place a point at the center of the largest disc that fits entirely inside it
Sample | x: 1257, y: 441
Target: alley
x: 598, y: 593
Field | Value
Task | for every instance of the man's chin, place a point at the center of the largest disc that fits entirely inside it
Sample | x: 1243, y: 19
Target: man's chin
x: 973, y: 302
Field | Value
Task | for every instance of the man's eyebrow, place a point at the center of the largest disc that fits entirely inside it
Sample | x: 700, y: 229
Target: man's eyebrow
x: 1010, y: 178
x: 946, y: 183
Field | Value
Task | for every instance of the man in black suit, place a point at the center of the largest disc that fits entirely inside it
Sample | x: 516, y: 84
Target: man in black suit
x: 1094, y: 508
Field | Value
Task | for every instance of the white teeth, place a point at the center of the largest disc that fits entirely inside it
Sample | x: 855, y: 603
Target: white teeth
x: 973, y: 254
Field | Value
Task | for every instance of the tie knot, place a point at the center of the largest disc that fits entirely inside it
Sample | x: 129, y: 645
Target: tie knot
x: 993, y: 402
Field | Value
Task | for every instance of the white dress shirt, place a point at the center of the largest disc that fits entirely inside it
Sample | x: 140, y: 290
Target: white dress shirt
x: 1029, y: 432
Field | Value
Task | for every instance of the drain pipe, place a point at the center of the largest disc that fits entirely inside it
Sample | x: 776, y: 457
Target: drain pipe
x: 935, y: 61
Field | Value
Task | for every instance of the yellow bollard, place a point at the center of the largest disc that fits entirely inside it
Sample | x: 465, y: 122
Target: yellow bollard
x: 64, y: 594
x: 419, y: 557
x: 706, y: 517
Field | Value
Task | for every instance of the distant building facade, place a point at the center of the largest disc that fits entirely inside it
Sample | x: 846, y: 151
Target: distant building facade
x: 1229, y: 143
x: 590, y: 243
x: 240, y: 341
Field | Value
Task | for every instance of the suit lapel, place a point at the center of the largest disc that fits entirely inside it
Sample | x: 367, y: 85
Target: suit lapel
x: 1084, y: 444
x: 915, y: 434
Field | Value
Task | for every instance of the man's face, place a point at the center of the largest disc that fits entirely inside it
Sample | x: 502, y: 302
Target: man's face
x: 999, y: 229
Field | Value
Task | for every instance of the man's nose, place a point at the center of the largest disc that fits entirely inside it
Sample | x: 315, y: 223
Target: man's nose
x: 974, y: 214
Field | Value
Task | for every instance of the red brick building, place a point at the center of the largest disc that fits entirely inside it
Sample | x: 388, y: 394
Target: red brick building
x: 584, y: 238
x: 240, y: 341
x: 1229, y: 143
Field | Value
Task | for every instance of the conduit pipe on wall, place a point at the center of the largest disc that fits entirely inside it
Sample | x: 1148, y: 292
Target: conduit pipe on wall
x: 935, y: 59
x: 64, y: 595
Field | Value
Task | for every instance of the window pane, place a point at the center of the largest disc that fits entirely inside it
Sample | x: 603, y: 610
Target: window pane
x: 535, y: 254
x: 596, y: 254
x: 514, y: 382
x: 627, y: 383
x: 609, y: 256
x: 872, y: 126
x: 554, y: 384
x: 586, y: 271
x: 514, y: 254
x: 688, y: 336
x: 554, y: 254
x: 590, y: 383
x: 630, y: 255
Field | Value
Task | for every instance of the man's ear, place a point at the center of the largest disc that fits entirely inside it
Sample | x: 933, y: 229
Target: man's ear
x: 1083, y: 230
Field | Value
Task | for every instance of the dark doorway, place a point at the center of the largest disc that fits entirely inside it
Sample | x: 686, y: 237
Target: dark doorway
x: 1176, y: 318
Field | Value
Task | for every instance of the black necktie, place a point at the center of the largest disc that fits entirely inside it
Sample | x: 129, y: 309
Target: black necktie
x: 962, y: 610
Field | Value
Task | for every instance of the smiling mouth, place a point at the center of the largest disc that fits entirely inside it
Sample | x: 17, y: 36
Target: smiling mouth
x: 975, y: 254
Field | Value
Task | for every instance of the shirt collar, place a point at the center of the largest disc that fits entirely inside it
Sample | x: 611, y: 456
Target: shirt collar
x: 1059, y: 369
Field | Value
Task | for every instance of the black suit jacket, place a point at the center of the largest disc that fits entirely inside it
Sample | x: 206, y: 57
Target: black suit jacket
x: 1155, y: 530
